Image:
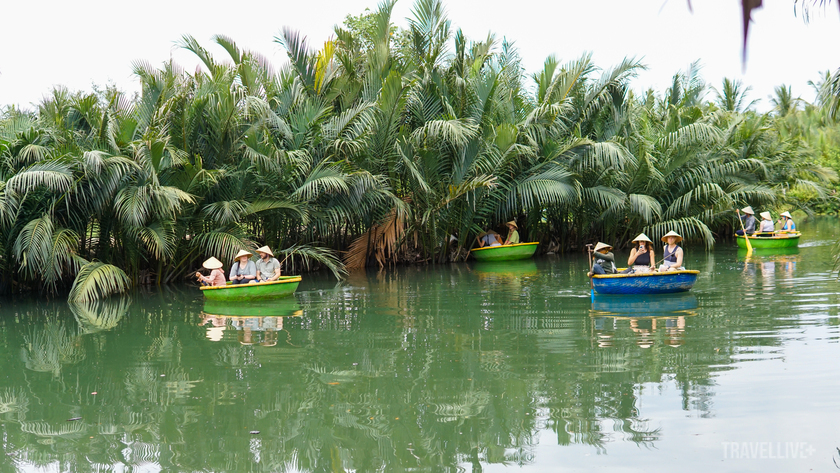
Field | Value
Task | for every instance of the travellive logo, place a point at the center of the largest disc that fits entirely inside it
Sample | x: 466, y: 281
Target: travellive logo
x: 767, y: 450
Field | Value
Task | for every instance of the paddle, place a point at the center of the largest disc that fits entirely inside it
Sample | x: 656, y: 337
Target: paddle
x: 591, y: 284
x: 746, y: 237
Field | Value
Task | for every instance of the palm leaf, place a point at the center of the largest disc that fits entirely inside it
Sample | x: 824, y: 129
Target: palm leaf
x: 308, y: 255
x: 97, y: 280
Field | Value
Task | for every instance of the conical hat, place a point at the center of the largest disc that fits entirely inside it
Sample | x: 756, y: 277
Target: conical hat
x: 748, y: 210
x: 672, y: 234
x: 513, y: 223
x: 265, y: 249
x: 212, y: 263
x: 243, y: 253
x: 766, y: 216
x: 600, y: 246
x: 641, y: 237
x: 785, y: 214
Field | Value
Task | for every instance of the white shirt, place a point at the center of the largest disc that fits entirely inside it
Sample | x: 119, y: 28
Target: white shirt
x: 767, y: 226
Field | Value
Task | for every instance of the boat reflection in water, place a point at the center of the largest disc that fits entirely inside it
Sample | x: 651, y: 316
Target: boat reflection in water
x: 762, y: 252
x: 651, y: 319
x: 505, y: 269
x: 254, y: 323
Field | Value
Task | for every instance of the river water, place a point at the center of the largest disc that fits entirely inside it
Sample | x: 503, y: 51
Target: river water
x: 470, y: 367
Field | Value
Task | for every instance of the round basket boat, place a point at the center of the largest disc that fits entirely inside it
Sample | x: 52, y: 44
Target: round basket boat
x: 505, y: 252
x: 770, y: 240
x: 645, y: 283
x: 283, y: 287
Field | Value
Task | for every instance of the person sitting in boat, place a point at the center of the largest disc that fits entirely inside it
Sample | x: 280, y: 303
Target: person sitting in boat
x: 642, y: 258
x: 786, y: 222
x: 748, y: 220
x: 243, y: 270
x: 268, y: 268
x: 672, y: 254
x: 603, y: 261
x: 488, y: 238
x: 513, y: 234
x: 216, y: 277
x: 766, y: 228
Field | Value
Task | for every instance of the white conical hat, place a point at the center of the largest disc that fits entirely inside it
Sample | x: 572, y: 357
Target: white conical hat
x: 766, y: 216
x: 672, y: 234
x: 243, y: 253
x: 265, y: 249
x: 748, y: 210
x: 785, y: 214
x: 641, y: 237
x: 212, y: 263
x: 601, y: 246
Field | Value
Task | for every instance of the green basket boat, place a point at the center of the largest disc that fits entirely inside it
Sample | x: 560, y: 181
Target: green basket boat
x: 283, y: 287
x: 778, y: 240
x: 505, y: 252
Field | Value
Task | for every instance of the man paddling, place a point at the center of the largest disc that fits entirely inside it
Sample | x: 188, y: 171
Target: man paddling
x: 748, y: 219
x: 604, y: 260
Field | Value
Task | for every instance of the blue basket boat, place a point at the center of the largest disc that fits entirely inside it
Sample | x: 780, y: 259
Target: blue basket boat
x: 645, y: 283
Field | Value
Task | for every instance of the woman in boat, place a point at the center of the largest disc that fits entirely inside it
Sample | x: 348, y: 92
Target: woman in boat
x: 603, y: 261
x: 488, y: 238
x: 513, y: 234
x: 672, y: 254
x: 642, y: 258
x: 216, y: 277
x: 244, y: 270
x: 786, y: 222
x: 766, y: 228
x: 748, y: 220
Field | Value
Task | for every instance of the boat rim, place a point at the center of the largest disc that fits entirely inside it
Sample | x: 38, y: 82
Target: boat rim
x: 639, y: 275
x: 506, y: 246
x: 255, y: 284
x: 788, y: 236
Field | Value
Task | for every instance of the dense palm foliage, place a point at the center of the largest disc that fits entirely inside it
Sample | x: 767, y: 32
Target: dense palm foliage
x: 390, y: 144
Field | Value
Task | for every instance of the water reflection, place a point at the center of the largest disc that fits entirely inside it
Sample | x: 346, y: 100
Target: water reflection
x: 651, y: 318
x: 461, y: 367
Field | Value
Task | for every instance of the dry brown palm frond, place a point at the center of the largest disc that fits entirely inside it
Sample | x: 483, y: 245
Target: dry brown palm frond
x: 380, y: 240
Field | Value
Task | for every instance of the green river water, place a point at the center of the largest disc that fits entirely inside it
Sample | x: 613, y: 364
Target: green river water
x: 466, y: 367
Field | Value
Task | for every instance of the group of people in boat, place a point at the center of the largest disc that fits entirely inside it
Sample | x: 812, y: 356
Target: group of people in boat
x: 642, y: 256
x: 766, y: 228
x: 491, y: 238
x: 243, y: 270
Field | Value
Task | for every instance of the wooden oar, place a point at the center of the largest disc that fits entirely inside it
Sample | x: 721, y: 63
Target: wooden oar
x: 591, y: 284
x: 746, y: 237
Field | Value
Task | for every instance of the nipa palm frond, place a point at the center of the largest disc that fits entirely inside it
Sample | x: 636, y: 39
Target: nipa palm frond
x: 308, y: 255
x: 97, y: 280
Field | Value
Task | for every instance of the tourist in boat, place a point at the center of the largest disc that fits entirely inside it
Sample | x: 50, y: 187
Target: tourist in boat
x: 672, y: 254
x: 216, y: 277
x: 766, y: 228
x: 603, y: 261
x: 513, y: 234
x: 268, y: 268
x: 642, y: 258
x: 786, y: 222
x: 489, y: 238
x: 748, y: 219
x: 243, y: 270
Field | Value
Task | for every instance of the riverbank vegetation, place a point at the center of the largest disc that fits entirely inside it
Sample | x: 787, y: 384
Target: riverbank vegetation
x: 387, y: 145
